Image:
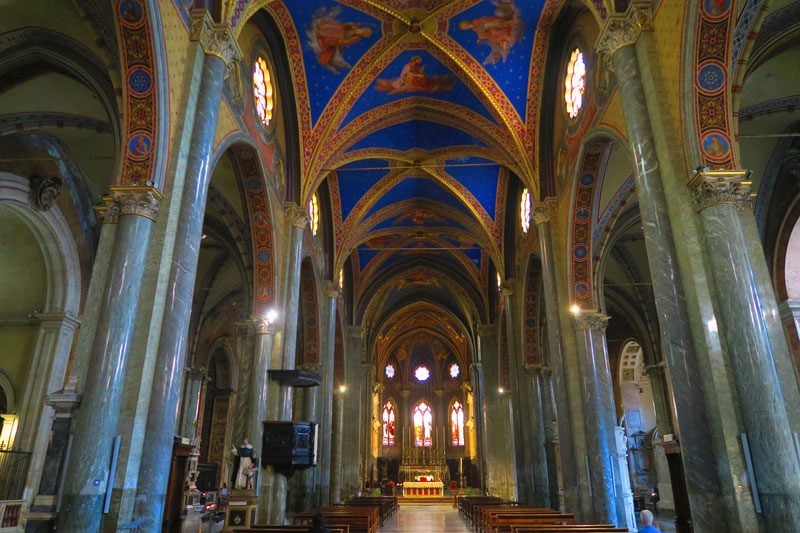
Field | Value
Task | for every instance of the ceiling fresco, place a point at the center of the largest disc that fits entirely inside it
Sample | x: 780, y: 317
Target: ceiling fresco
x: 415, y: 114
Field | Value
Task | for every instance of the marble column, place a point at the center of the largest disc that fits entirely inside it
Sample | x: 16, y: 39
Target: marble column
x: 263, y: 332
x: 351, y: 453
x: 220, y: 47
x: 751, y: 354
x: 598, y: 403
x: 193, y: 384
x: 336, y: 445
x: 332, y: 292
x: 479, y: 441
x: 542, y: 215
x: 536, y: 433
x: 702, y: 479
x: 88, y: 469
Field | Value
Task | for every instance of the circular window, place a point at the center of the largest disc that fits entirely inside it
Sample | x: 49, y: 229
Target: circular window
x: 454, y: 370
x: 390, y: 371
x: 575, y: 83
x: 525, y: 210
x: 422, y: 373
x: 262, y: 91
x: 313, y: 214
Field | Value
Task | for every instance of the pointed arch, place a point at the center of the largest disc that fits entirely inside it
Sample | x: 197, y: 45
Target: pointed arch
x: 389, y: 418
x: 422, y: 419
x: 456, y: 423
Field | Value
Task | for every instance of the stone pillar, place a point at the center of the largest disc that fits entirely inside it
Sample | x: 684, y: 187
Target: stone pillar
x: 751, y: 354
x: 535, y: 431
x: 479, y: 442
x: 542, y: 215
x: 790, y: 318
x: 663, y: 408
x: 263, y: 333
x: 356, y: 414
x: 220, y: 47
x: 87, y: 477
x: 497, y: 439
x: 332, y: 292
x: 193, y: 384
x: 598, y: 403
x: 370, y: 406
x: 702, y: 479
x: 336, y: 445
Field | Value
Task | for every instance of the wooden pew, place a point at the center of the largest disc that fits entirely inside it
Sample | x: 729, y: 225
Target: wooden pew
x: 290, y: 529
x: 497, y: 520
x: 574, y: 528
x: 360, y: 519
x: 387, y: 504
x: 482, y: 513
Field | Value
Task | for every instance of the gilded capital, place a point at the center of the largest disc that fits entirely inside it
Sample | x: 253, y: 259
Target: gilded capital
x: 108, y: 211
x: 138, y: 201
x: 587, y: 320
x: 625, y: 29
x: 296, y: 215
x: 257, y: 326
x: 538, y: 370
x: 487, y: 330
x: 507, y: 287
x: 544, y: 211
x: 331, y: 289
x: 715, y: 187
x: 216, y: 39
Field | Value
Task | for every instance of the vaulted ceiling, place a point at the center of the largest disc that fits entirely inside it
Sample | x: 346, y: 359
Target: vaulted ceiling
x: 416, y: 114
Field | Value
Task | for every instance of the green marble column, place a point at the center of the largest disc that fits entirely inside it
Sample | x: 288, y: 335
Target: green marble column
x: 535, y: 431
x: 616, y: 44
x: 718, y: 194
x: 542, y: 215
x: 332, y: 292
x: 336, y: 445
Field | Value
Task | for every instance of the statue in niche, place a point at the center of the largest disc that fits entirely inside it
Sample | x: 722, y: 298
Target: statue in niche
x: 244, y: 467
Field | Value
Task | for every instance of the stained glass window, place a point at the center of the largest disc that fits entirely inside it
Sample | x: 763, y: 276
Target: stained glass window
x: 457, y: 424
x: 423, y: 424
x: 388, y: 424
x: 262, y: 91
x: 313, y: 214
x: 575, y: 83
x: 454, y: 370
x: 525, y: 210
x: 390, y: 370
x: 422, y: 373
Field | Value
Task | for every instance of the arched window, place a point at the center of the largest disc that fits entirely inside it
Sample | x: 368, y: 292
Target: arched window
x: 575, y: 83
x: 388, y: 424
x: 423, y: 424
x: 390, y: 370
x: 457, y: 424
x: 313, y: 214
x: 525, y: 210
x: 454, y: 370
x: 422, y: 373
x: 262, y: 91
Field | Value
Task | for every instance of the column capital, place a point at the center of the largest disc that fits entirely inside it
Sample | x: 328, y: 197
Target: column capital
x: 331, y: 289
x: 654, y: 370
x: 356, y: 331
x: 538, y: 370
x: 58, y: 320
x: 216, y: 39
x: 715, y: 187
x: 544, y: 211
x: 507, y: 287
x: 296, y: 215
x: 196, y: 372
x: 586, y: 320
x: 137, y: 201
x: 487, y: 330
x: 259, y: 326
x: 624, y: 29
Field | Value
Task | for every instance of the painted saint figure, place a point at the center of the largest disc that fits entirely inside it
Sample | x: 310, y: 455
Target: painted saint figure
x: 328, y: 37
x: 413, y: 79
x: 244, y: 466
x: 500, y: 31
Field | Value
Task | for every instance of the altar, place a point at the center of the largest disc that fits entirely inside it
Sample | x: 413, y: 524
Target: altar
x: 423, y: 488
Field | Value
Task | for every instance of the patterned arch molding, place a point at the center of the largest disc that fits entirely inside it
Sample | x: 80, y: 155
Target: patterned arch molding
x: 248, y: 168
x: 587, y: 191
x: 141, y: 104
x: 712, y: 83
x: 533, y: 291
x: 308, y: 300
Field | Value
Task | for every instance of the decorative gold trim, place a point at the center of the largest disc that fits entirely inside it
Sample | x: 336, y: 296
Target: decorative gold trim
x: 544, y: 211
x: 139, y: 201
x: 296, y: 215
x: 716, y: 187
x: 331, y: 289
x: 216, y: 39
x: 624, y: 30
x: 590, y: 320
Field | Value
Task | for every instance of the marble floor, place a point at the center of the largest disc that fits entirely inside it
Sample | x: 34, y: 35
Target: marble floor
x: 426, y: 519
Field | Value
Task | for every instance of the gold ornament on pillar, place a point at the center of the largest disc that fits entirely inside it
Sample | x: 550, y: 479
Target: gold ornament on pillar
x: 593, y: 320
x: 216, y: 39
x: 624, y: 30
x: 715, y: 187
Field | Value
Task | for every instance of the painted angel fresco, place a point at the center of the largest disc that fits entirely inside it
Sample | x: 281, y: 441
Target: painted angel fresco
x: 500, y: 31
x: 419, y: 217
x: 413, y: 79
x: 328, y: 37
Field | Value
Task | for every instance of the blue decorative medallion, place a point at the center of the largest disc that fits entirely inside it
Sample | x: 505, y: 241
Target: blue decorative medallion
x: 711, y: 78
x: 140, y: 81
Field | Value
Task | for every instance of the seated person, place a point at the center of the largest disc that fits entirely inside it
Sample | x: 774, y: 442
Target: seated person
x: 647, y: 522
